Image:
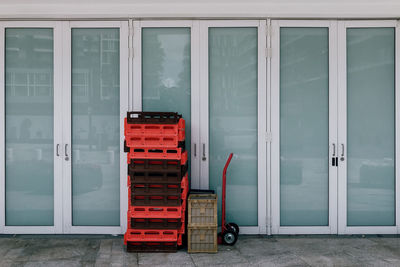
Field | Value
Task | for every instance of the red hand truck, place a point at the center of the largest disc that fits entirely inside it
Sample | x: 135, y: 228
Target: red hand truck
x: 230, y: 231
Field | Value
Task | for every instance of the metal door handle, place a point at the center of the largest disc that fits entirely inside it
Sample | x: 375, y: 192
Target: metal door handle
x: 342, y: 150
x: 334, y: 149
x: 57, y: 150
x: 204, y: 153
x: 66, y: 152
x: 342, y: 155
x: 195, y: 148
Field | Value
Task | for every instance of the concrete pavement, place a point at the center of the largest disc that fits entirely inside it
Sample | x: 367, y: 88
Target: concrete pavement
x: 66, y: 250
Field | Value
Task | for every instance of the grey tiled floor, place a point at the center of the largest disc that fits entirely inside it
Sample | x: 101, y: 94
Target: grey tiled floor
x: 249, y: 251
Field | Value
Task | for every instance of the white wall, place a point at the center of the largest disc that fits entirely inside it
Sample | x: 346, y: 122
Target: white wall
x: 28, y: 9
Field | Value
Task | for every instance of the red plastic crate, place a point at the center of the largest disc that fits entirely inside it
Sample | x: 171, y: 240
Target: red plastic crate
x: 155, y: 129
x: 157, y: 212
x: 150, y: 235
x: 185, y: 188
x: 181, y: 230
x: 179, y: 242
x: 159, y: 153
x: 154, y: 141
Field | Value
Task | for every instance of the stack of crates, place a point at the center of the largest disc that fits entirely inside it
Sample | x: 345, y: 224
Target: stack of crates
x: 202, y: 223
x: 157, y: 180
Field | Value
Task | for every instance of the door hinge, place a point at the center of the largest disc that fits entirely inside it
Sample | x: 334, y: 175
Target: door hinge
x: 268, y: 30
x: 130, y: 42
x: 131, y: 30
x: 268, y: 137
x: 268, y: 52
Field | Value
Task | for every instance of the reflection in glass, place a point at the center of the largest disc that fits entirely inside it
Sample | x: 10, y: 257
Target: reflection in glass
x: 95, y: 127
x: 304, y: 128
x: 370, y: 126
x: 166, y: 72
x: 29, y: 127
x: 233, y: 119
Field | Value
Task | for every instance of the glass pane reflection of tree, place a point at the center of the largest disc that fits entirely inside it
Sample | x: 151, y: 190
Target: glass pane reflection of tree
x: 166, y: 73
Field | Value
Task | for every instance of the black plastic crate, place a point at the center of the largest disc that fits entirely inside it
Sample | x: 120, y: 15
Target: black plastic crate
x: 155, y: 200
x: 136, y: 117
x: 156, y: 189
x: 156, y: 171
x: 155, y: 223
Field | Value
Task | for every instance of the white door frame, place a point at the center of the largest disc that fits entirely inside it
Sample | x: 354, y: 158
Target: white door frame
x: 194, y: 105
x: 67, y: 121
x: 275, y: 125
x: 342, y: 131
x: 57, y: 82
x: 261, y: 118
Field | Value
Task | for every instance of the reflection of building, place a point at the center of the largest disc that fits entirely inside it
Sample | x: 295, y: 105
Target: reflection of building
x: 29, y: 60
x: 80, y: 83
x: 29, y: 100
x: 29, y: 82
x: 109, y: 51
x: 88, y: 81
x: 95, y: 88
x: 29, y: 91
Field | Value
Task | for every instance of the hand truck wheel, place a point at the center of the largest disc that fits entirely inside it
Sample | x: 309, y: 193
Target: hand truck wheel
x: 229, y: 237
x: 233, y: 226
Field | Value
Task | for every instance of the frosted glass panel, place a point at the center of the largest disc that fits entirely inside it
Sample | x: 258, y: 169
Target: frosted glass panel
x: 304, y: 126
x: 29, y: 127
x: 233, y: 120
x: 370, y: 126
x: 166, y: 72
x: 95, y: 127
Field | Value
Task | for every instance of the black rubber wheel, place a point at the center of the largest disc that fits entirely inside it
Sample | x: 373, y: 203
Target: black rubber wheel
x: 229, y: 237
x: 233, y: 226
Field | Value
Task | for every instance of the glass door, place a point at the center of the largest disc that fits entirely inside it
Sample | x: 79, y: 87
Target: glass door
x: 304, y: 145
x: 96, y: 101
x: 368, y: 145
x: 30, y: 129
x: 232, y: 97
x: 166, y: 76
